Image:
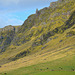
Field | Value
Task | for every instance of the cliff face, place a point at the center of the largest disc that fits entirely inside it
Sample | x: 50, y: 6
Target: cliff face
x: 6, y: 36
x: 58, y: 3
x: 9, y: 28
x: 39, y: 30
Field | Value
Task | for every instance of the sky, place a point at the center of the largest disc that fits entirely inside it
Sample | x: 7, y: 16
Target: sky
x: 15, y: 12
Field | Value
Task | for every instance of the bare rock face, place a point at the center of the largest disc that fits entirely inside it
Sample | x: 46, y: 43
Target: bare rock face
x: 53, y: 4
x: 7, y: 28
x: 37, y: 12
x: 60, y: 1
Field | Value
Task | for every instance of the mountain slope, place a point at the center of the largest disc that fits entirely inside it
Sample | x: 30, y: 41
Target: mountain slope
x: 48, y: 35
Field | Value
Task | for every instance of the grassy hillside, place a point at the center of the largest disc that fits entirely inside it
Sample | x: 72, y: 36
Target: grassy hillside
x: 58, y: 66
x: 44, y: 43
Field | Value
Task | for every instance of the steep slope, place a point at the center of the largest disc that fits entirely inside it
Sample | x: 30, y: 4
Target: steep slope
x: 6, y: 36
x: 48, y: 35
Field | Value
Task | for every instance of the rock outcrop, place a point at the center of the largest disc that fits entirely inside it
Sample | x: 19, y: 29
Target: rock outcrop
x: 47, y: 27
x: 37, y: 11
x: 9, y: 28
x: 53, y: 4
x: 60, y: 1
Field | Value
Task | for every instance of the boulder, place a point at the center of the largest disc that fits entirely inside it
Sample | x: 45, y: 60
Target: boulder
x: 49, y: 39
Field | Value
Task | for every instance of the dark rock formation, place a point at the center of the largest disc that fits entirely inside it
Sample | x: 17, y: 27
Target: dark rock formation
x: 60, y: 1
x: 7, y: 28
x: 37, y: 12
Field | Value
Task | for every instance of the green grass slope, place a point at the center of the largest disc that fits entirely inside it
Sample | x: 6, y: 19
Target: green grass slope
x: 63, y: 66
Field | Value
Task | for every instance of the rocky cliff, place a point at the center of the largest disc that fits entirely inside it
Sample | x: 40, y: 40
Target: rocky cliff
x: 40, y: 30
